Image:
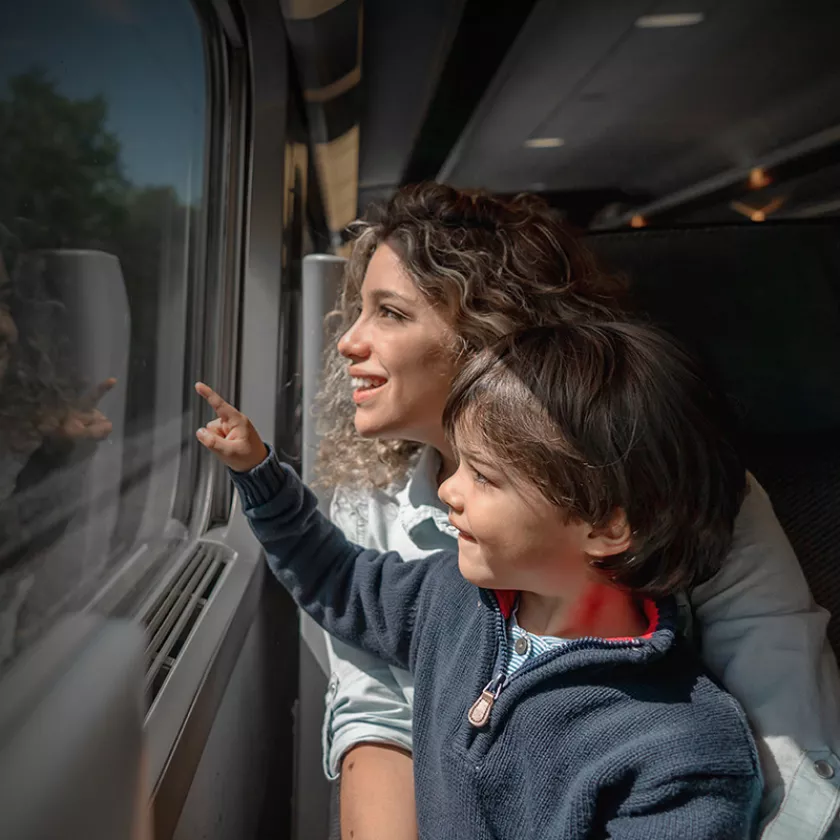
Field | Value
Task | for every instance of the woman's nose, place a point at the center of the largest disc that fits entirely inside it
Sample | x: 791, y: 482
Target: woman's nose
x: 354, y: 344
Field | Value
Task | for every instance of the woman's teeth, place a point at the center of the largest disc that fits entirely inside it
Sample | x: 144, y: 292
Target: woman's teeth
x: 364, y: 383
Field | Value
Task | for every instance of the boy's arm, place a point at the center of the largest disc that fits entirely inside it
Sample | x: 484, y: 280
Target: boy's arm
x: 366, y: 598
x: 694, y: 807
x: 363, y: 597
x: 694, y: 775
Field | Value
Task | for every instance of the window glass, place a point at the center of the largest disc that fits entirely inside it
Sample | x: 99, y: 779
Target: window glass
x: 102, y: 160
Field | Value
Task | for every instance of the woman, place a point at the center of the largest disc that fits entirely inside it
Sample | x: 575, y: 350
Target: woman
x: 439, y: 276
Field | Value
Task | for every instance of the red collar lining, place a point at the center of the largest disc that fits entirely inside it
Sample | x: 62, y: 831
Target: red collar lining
x: 507, y: 601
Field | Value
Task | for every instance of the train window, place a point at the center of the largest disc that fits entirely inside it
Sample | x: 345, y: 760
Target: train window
x: 103, y: 136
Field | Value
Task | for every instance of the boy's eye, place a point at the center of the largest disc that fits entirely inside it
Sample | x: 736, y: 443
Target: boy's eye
x: 479, y: 478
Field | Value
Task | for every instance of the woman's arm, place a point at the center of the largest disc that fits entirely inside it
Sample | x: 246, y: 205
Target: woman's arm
x: 365, y: 701
x: 377, y: 794
x: 367, y: 736
x: 764, y: 637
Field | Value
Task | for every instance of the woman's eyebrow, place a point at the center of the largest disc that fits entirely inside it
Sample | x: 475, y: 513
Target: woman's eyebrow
x: 381, y: 294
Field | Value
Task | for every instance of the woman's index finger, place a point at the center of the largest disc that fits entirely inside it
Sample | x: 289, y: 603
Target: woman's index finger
x: 223, y: 409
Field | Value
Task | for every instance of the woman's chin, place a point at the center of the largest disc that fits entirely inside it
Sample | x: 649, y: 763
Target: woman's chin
x: 369, y: 427
x: 373, y: 423
x: 379, y: 425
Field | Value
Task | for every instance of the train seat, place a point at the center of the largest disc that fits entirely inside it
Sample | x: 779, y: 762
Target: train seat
x: 761, y: 304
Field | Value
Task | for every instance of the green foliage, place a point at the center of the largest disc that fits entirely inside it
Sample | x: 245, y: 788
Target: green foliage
x: 61, y: 180
x: 62, y: 185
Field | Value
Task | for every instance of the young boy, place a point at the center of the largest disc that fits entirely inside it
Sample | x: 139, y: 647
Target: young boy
x: 554, y: 696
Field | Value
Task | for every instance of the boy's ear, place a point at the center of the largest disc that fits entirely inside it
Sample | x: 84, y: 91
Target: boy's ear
x: 613, y: 538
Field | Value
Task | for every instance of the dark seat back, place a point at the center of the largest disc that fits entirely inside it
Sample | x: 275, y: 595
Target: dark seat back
x: 761, y: 304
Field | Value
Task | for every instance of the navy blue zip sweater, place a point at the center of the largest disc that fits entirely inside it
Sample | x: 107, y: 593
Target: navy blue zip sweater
x: 627, y: 739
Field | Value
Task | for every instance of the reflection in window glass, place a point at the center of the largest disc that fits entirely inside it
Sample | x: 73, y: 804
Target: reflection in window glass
x: 102, y: 148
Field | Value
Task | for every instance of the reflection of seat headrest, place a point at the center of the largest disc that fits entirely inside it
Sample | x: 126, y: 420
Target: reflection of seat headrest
x: 760, y: 302
x: 77, y: 298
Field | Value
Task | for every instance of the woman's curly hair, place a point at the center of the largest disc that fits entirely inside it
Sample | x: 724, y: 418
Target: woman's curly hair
x: 492, y: 267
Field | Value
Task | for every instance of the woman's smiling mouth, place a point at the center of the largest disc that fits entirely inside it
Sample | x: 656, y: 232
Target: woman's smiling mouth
x: 366, y: 387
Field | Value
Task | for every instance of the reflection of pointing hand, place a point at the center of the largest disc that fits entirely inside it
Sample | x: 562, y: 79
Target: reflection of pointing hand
x: 231, y: 437
x: 79, y: 425
x: 91, y: 400
x: 84, y: 421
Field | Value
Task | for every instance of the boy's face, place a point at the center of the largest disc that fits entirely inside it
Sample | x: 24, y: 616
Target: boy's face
x: 510, y: 536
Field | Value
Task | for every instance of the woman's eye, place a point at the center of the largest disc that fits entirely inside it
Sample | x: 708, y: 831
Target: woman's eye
x: 387, y: 312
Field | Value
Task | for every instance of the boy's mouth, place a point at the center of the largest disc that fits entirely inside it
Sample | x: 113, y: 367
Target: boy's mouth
x: 462, y: 535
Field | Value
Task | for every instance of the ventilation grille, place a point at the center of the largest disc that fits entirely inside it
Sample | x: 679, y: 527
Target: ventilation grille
x: 170, y: 618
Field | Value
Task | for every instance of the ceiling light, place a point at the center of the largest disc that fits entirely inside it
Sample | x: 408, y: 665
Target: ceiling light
x: 759, y: 178
x: 544, y: 143
x: 638, y: 221
x: 669, y: 21
x: 758, y: 214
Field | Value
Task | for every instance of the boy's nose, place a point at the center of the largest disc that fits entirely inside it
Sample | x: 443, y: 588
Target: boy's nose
x: 449, y: 493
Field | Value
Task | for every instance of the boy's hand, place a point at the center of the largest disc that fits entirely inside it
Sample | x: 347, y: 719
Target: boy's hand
x: 231, y: 437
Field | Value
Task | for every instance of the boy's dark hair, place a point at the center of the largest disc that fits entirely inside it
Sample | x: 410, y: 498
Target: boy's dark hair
x: 605, y: 415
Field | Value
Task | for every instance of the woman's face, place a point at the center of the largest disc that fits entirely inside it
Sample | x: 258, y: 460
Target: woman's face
x: 401, y: 354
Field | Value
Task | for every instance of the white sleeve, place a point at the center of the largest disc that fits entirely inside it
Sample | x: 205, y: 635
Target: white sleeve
x: 365, y: 701
x: 765, y: 638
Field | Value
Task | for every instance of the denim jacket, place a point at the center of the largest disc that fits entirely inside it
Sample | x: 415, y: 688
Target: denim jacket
x: 757, y: 625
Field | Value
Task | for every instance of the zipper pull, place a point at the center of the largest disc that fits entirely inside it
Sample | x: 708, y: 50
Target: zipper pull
x: 479, y: 712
